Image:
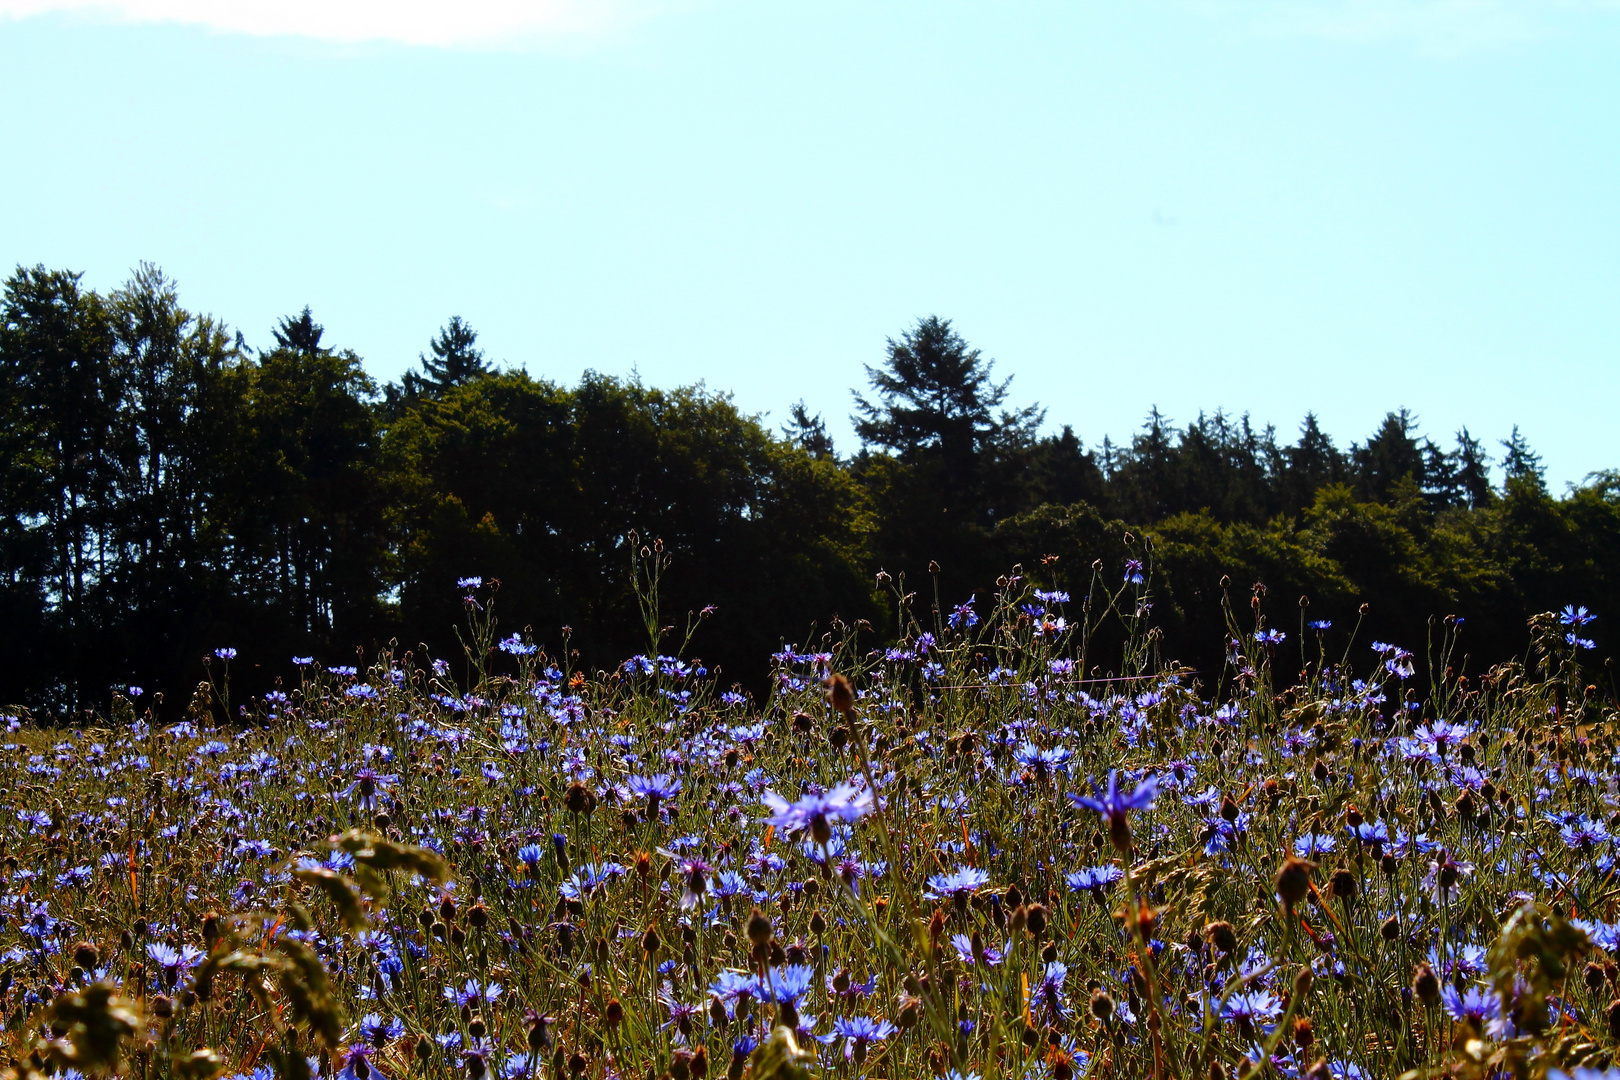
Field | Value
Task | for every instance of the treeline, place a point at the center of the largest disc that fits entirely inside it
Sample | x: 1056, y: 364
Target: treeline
x: 166, y: 490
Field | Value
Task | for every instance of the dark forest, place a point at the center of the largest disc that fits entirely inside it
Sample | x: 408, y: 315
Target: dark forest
x: 167, y: 490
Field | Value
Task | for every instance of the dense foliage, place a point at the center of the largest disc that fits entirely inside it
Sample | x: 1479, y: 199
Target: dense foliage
x: 957, y: 859
x: 165, y: 488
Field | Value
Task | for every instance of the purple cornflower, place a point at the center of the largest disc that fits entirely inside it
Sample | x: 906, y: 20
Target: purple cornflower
x: 1114, y: 805
x: 815, y: 812
x: 368, y: 782
x: 695, y: 874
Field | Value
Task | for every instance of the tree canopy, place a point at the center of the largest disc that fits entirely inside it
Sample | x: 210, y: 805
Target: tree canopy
x: 166, y: 491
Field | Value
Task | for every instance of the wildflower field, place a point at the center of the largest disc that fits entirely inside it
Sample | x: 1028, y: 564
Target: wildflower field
x: 968, y: 854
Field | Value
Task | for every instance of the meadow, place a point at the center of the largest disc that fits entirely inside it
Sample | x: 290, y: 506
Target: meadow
x: 969, y: 854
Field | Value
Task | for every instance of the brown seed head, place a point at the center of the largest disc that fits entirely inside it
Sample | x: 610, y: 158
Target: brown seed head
x: 840, y: 693
x: 1294, y: 880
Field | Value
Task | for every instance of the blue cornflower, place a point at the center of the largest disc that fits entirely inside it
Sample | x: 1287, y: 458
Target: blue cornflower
x: 1576, y: 616
x: 303, y: 661
x: 1319, y: 625
x: 174, y: 963
x: 816, y: 812
x: 379, y: 1031
x: 1270, y: 637
x: 79, y: 875
x: 858, y: 1032
x: 786, y: 985
x: 470, y: 993
x: 1093, y: 879
x: 515, y: 646
x: 1114, y: 805
x: 1579, y: 642
x: 358, y: 1066
x: 654, y: 789
x: 973, y: 950
x: 469, y: 582
x: 225, y: 654
x: 1583, y: 833
x: 1133, y: 572
x: 963, y: 616
x: 957, y: 885
x: 728, y: 986
x: 588, y: 878
x: 530, y: 855
x: 1478, y: 1006
x: 1041, y: 762
x: 1048, y: 993
x: 1250, y: 1008
x: 1441, y: 736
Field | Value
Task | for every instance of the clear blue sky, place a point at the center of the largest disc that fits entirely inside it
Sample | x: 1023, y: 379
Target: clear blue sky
x: 1344, y: 206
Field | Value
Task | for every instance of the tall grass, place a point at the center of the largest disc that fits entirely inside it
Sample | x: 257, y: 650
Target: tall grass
x: 976, y: 856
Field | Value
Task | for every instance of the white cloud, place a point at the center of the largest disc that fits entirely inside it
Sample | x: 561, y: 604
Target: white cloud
x: 412, y: 22
x: 1446, y: 27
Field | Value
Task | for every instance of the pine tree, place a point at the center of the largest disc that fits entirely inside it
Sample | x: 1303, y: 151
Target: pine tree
x: 456, y: 360
x: 1473, y: 471
x: 808, y: 432
x: 936, y: 409
x: 1521, y: 464
x: 302, y: 335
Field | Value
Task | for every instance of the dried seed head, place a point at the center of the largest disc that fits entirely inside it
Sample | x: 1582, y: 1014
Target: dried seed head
x: 1303, y: 978
x: 759, y: 928
x: 1425, y: 985
x: 1221, y: 935
x: 1343, y: 884
x: 84, y: 954
x: 1294, y: 881
x: 840, y: 693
